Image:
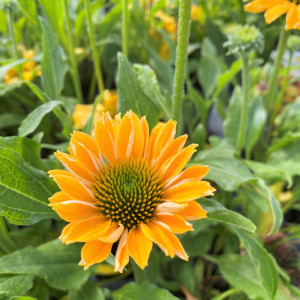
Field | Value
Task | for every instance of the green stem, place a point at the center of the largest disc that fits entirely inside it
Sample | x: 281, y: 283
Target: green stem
x: 94, y: 48
x: 139, y: 274
x: 274, y: 78
x: 75, y: 72
x: 279, y: 99
x: 10, y: 23
x: 125, y: 27
x: 225, y: 295
x: 181, y: 56
x: 246, y: 92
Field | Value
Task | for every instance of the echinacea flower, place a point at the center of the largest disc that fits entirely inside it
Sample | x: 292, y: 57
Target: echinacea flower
x: 82, y: 112
x: 130, y: 187
x: 275, y: 8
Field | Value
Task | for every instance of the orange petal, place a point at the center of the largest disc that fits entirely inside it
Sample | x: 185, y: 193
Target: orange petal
x: 88, y: 230
x: 193, y: 211
x: 193, y: 172
x: 258, y: 6
x: 146, y: 135
x: 86, y: 156
x: 189, y: 191
x: 170, y: 207
x: 74, y: 188
x: 152, y: 140
x: 113, y: 233
x: 94, y: 252
x: 74, y: 166
x: 139, y: 247
x: 122, y: 255
x: 178, y: 249
x: 74, y: 210
x: 276, y: 11
x: 165, y: 136
x: 65, y: 231
x: 58, y: 197
x: 156, y: 234
x: 105, y: 138
x: 292, y: 17
x: 171, y: 149
x: 125, y: 137
x: 175, y: 222
x: 177, y: 162
x: 138, y: 141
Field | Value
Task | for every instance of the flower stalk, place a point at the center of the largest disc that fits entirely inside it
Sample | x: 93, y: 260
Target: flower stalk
x: 274, y: 78
x: 140, y: 275
x: 125, y: 27
x: 246, y: 92
x: 75, y: 71
x: 94, y: 48
x: 181, y: 56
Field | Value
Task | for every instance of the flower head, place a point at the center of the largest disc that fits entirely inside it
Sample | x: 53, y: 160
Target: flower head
x: 275, y: 8
x: 244, y: 39
x: 130, y: 187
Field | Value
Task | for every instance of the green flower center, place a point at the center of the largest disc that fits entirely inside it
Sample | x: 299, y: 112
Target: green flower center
x: 128, y: 192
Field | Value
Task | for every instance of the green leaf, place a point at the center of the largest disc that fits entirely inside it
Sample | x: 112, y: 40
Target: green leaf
x: 227, y: 76
x: 131, y: 95
x: 6, y: 88
x: 150, y: 87
x: 56, y: 263
x: 217, y: 212
x: 263, y: 262
x: 15, y: 285
x: 145, y: 291
x: 27, y: 148
x: 208, y: 74
x: 10, y: 119
x: 38, y: 92
x: 89, y: 291
x: 32, y: 121
x: 54, y: 65
x: 276, y: 211
x: 227, y: 171
x: 240, y: 273
x: 232, y: 121
x: 256, y: 119
x: 24, y: 190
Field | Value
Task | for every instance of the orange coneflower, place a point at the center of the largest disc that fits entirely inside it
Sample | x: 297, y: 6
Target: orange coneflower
x: 124, y: 185
x: 276, y: 8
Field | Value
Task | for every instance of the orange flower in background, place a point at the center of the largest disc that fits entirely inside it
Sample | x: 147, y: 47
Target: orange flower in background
x: 274, y: 9
x: 82, y: 112
x: 196, y: 12
x: 130, y: 187
x: 169, y: 23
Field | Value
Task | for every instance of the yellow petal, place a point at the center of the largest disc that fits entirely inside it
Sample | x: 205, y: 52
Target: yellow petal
x: 276, y: 11
x: 139, y: 247
x: 122, y: 255
x: 94, y: 252
x: 113, y: 233
x: 175, y: 222
x: 193, y: 211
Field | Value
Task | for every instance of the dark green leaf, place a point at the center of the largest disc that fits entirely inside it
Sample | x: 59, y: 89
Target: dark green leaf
x: 10, y: 119
x: 54, y: 262
x: 89, y: 291
x: 145, y: 291
x: 24, y: 190
x: 32, y: 121
x: 15, y: 285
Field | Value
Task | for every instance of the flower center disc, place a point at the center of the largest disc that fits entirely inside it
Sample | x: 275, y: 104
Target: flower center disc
x: 128, y: 192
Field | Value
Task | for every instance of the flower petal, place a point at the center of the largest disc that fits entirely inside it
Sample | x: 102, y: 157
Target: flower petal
x: 175, y: 222
x: 94, y: 252
x: 170, y: 207
x: 139, y: 247
x: 113, y: 233
x: 74, y: 210
x: 58, y: 197
x: 73, y: 188
x: 139, y: 140
x: 189, y: 191
x: 156, y: 234
x: 88, y: 230
x: 122, y: 255
x: 274, y: 12
x: 125, y: 137
x: 193, y: 211
x: 74, y: 166
x: 292, y: 17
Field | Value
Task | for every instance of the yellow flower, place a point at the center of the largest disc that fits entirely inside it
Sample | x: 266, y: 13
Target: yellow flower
x: 82, y: 112
x: 164, y: 51
x: 130, y: 187
x: 275, y: 8
x: 168, y: 22
x: 29, y: 69
x: 196, y: 12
